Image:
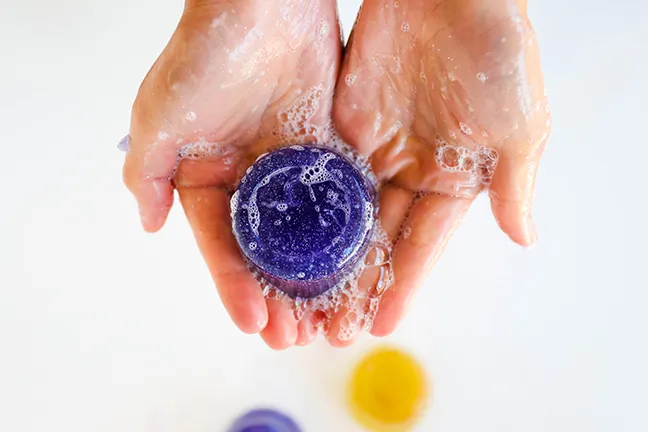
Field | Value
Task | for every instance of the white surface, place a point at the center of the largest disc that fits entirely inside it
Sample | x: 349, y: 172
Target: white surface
x: 105, y: 328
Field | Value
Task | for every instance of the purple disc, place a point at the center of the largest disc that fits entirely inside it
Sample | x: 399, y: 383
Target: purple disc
x: 303, y: 217
x: 264, y: 420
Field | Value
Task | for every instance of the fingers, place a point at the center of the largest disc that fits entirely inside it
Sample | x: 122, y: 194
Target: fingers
x: 346, y: 324
x: 426, y: 232
x: 208, y: 213
x: 511, y: 196
x: 344, y: 329
x: 281, y: 332
x: 395, y: 203
x: 307, y: 330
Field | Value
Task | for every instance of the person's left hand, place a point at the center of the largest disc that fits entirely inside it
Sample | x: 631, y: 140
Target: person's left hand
x: 446, y: 98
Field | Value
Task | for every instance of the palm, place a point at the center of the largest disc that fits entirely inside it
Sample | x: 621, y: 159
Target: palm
x: 234, y: 81
x: 445, y: 98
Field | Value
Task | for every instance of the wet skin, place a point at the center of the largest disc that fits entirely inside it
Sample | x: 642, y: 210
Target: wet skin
x: 457, y: 72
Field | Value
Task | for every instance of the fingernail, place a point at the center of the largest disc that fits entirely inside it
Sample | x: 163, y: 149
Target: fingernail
x: 262, y: 323
x: 301, y: 343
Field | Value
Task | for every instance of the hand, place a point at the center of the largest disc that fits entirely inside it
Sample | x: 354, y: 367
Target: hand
x: 235, y: 79
x: 446, y: 97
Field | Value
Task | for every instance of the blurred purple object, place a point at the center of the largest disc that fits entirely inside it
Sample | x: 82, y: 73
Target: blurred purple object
x: 124, y: 144
x: 264, y: 420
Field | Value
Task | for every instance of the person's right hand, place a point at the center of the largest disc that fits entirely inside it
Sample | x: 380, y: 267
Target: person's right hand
x: 237, y: 78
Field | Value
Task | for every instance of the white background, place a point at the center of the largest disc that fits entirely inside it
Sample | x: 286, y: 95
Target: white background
x: 105, y: 328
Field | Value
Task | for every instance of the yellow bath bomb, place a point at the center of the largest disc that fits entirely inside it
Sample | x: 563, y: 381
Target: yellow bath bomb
x: 389, y: 391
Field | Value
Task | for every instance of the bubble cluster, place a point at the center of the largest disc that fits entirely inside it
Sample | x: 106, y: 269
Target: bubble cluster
x: 481, y: 76
x: 295, y: 121
x: 201, y: 149
x: 405, y: 27
x: 349, y: 80
x: 479, y: 163
x: 321, y: 32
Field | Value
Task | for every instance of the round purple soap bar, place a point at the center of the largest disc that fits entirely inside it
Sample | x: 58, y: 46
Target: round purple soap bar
x: 303, y: 217
x: 264, y: 421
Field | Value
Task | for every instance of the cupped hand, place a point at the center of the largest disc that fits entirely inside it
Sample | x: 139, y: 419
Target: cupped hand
x: 447, y: 99
x: 236, y: 79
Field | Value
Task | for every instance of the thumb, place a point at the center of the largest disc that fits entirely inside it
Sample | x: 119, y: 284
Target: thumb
x: 151, y: 159
x: 156, y: 131
x: 511, y: 195
x: 147, y: 174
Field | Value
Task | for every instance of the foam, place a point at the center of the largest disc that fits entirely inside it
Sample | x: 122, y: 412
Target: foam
x: 254, y: 215
x: 234, y: 203
x: 480, y: 163
x: 201, y: 149
x: 295, y: 125
x: 321, y: 32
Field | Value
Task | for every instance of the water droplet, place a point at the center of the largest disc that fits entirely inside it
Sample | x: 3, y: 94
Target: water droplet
x: 465, y: 128
x: 407, y: 232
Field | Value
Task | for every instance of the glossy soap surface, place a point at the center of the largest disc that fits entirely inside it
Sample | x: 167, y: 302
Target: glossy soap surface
x: 303, y: 216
